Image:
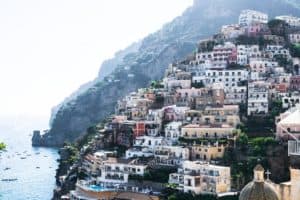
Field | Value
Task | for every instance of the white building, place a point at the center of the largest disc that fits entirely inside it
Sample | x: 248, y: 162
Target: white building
x: 115, y: 170
x: 290, y: 100
x: 245, y: 52
x: 236, y: 95
x: 249, y: 17
x: 148, y: 141
x: 258, y: 102
x: 199, y: 177
x: 232, y: 31
x: 172, y: 131
x: 290, y: 20
x: 294, y: 38
x: 171, y: 155
x: 138, y: 152
x: 228, y: 78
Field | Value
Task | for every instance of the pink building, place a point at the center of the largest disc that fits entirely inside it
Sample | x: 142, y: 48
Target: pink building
x: 295, y: 83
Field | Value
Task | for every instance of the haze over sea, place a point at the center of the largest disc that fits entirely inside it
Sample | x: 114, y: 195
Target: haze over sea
x: 34, y: 168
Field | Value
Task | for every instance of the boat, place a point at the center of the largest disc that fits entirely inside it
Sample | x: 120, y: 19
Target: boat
x: 6, y: 168
x: 23, y: 157
x: 37, y: 167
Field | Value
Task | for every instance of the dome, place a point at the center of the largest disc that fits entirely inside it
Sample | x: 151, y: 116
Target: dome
x: 258, y: 189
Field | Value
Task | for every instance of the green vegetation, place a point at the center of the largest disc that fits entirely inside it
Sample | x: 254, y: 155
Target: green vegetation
x: 198, y: 85
x: 156, y: 85
x: 156, y: 175
x: 295, y: 50
x: 2, y: 146
x: 73, y: 153
x: 206, y: 46
x: 277, y: 27
x: 202, y: 140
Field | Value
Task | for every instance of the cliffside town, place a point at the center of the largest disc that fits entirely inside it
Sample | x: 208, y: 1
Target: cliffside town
x: 200, y: 131
x: 145, y: 61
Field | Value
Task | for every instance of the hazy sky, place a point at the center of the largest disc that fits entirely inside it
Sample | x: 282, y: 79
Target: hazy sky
x: 49, y: 48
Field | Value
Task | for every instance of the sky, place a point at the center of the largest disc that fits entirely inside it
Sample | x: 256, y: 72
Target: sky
x: 49, y: 48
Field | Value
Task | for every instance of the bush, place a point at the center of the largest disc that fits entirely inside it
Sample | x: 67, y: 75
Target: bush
x: 2, y: 146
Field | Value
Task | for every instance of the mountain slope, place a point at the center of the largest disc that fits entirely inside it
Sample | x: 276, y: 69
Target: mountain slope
x: 147, y: 60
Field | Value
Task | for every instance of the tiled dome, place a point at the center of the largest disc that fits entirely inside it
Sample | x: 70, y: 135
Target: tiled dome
x: 258, y: 189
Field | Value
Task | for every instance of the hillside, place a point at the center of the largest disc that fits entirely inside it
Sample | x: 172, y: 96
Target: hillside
x: 140, y: 63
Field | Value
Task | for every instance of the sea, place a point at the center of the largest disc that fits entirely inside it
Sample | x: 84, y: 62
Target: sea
x: 26, y: 172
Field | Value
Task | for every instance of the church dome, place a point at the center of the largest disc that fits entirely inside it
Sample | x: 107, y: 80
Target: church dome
x: 258, y: 189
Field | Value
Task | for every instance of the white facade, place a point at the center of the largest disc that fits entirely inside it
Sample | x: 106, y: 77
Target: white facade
x: 244, y: 52
x: 232, y: 31
x: 258, y: 102
x: 249, y: 17
x: 294, y: 38
x: 229, y: 78
x: 171, y: 155
x: 117, y: 171
x: 290, y: 20
x: 199, y: 177
x: 138, y: 152
x: 236, y: 95
x: 290, y: 100
x: 172, y: 131
x: 148, y: 142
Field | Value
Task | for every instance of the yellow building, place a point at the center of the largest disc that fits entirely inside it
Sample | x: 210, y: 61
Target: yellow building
x: 207, y: 152
x: 193, y: 131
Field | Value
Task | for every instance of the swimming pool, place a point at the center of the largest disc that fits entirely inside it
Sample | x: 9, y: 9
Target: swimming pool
x: 97, y: 188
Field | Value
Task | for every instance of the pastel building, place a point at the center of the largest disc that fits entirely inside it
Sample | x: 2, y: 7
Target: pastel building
x: 258, y: 98
x: 249, y: 17
x: 194, y: 131
x: 199, y: 177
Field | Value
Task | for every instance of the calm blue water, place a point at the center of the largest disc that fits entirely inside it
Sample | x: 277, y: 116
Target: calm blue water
x: 35, y: 172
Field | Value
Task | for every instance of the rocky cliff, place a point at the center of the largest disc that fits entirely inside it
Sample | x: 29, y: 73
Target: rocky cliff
x: 146, y: 60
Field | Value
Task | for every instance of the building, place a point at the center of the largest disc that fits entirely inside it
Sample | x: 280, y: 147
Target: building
x: 138, y: 152
x: 288, y: 122
x: 172, y: 131
x: 258, y: 100
x: 228, y: 78
x: 262, y: 66
x: 207, y: 152
x: 199, y: 177
x: 236, y: 95
x: 212, y: 96
x: 90, y: 191
x: 148, y: 141
x: 290, y: 20
x: 232, y: 31
x: 171, y: 155
x: 226, y: 114
x: 261, y: 187
x: 295, y: 83
x: 291, y: 100
x: 194, y: 131
x: 294, y: 38
x: 117, y: 170
x: 245, y: 52
x: 224, y: 54
x: 249, y: 17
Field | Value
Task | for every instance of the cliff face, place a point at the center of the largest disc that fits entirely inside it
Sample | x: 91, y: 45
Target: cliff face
x: 147, y: 60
